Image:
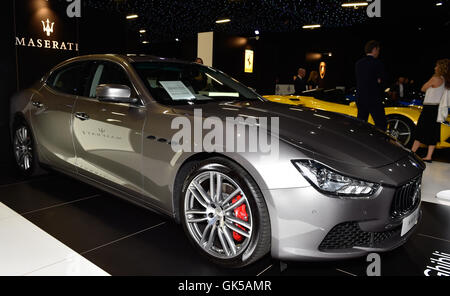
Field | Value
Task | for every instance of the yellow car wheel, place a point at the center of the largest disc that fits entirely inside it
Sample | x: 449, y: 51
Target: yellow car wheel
x: 401, y: 128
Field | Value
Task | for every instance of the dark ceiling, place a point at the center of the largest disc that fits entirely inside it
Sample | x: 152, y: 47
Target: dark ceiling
x: 166, y: 19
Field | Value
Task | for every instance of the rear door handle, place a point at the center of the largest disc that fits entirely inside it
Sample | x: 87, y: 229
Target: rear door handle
x: 82, y: 116
x: 37, y: 104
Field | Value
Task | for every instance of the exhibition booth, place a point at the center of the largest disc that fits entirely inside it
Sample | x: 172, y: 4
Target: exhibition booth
x: 93, y: 180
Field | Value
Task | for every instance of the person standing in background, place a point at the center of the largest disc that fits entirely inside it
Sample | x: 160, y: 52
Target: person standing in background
x: 313, y: 80
x: 370, y: 77
x: 199, y: 61
x: 400, y: 88
x: 299, y: 82
x: 428, y: 129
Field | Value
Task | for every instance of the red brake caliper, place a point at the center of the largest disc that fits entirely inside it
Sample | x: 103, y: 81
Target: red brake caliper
x: 240, y: 213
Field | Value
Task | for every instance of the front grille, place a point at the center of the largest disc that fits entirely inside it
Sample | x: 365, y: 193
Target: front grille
x: 349, y: 235
x: 406, y: 198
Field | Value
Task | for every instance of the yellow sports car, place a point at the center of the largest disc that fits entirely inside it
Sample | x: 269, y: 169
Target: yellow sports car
x: 401, y: 120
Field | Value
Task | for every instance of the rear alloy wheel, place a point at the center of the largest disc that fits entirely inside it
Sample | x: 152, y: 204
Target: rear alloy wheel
x: 23, y: 145
x: 225, y: 215
x: 401, y: 129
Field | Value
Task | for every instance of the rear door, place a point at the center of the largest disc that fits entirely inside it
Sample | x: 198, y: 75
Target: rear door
x: 108, y: 135
x: 51, y: 115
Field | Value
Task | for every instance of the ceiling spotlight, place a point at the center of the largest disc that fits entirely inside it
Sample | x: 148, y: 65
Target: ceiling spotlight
x: 222, y: 21
x: 142, y: 31
x: 256, y: 32
x: 311, y: 26
x: 132, y: 16
x: 177, y: 40
x: 439, y: 4
x: 330, y: 54
x: 145, y: 42
x: 355, y: 4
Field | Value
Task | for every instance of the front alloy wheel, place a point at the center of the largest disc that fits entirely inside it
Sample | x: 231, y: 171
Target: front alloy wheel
x: 401, y: 130
x: 224, y: 213
x: 218, y: 215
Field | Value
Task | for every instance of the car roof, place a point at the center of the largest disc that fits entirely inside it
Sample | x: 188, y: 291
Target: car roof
x: 129, y: 58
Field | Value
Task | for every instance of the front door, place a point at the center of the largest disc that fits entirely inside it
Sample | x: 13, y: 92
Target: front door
x: 107, y: 135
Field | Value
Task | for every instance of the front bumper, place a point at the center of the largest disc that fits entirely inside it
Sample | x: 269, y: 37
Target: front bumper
x: 301, y: 219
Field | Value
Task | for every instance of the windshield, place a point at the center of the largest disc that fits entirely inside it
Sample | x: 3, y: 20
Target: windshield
x: 177, y: 83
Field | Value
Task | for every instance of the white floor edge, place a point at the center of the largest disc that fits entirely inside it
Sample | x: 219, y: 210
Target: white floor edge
x: 436, y: 178
x: 25, y: 249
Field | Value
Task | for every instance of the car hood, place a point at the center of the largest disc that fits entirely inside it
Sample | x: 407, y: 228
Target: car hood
x: 320, y: 134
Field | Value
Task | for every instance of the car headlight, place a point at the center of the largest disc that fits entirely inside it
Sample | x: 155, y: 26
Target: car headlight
x: 332, y: 183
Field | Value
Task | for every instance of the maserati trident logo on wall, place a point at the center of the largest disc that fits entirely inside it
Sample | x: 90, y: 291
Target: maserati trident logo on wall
x: 47, y: 27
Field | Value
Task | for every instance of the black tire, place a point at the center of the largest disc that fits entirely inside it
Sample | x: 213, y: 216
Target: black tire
x: 33, y: 168
x: 403, y: 123
x: 260, y: 239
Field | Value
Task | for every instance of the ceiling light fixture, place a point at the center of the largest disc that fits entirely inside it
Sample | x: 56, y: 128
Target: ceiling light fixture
x: 142, y: 31
x: 132, y: 16
x: 355, y: 4
x: 145, y: 42
x: 256, y: 32
x: 311, y: 26
x: 439, y: 4
x: 222, y: 21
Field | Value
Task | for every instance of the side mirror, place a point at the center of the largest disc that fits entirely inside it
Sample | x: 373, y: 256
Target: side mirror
x: 115, y: 93
x: 352, y: 104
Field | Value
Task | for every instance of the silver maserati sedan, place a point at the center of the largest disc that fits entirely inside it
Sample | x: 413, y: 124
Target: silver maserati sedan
x: 335, y: 187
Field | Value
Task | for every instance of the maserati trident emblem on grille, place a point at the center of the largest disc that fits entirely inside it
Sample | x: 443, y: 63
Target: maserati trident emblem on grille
x: 47, y: 27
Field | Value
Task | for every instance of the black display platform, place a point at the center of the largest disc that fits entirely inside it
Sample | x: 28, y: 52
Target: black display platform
x: 124, y: 239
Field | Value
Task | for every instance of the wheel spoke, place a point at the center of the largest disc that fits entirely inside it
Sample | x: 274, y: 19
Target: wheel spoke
x: 196, y: 212
x: 198, y: 220
x: 231, y: 196
x: 211, y: 237
x: 202, y: 192
x: 237, y: 229
x: 198, y: 197
x: 19, y: 136
x: 22, y: 138
x: 396, y: 124
x: 223, y: 242
x: 205, y: 234
x: 211, y: 185
x: 26, y: 163
x: 239, y: 221
x: 236, y: 204
x: 219, y: 188
x: 230, y: 241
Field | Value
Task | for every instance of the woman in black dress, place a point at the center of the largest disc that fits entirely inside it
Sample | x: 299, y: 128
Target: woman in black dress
x: 428, y: 130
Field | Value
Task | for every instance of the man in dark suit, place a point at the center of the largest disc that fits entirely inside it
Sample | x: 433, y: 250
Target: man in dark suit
x: 400, y: 89
x: 370, y: 78
x: 299, y: 82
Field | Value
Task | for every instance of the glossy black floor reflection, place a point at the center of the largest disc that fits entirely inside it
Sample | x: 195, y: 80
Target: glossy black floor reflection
x: 124, y: 239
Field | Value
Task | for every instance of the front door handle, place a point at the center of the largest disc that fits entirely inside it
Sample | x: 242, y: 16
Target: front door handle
x: 37, y: 104
x: 82, y: 116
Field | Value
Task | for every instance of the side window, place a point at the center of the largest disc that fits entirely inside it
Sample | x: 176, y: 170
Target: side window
x: 108, y: 73
x: 68, y: 80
